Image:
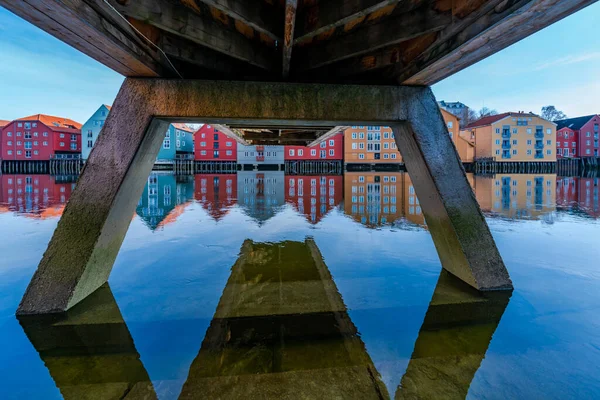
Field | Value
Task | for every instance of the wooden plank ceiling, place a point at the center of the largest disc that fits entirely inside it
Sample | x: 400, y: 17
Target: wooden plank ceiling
x: 415, y: 42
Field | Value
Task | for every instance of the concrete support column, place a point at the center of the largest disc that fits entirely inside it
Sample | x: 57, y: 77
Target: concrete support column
x: 459, y: 231
x: 88, y: 237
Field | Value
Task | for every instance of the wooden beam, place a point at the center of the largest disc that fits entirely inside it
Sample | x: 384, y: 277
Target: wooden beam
x: 325, y: 16
x: 288, y: 35
x: 332, y: 132
x: 205, y: 31
x: 386, y: 33
x: 258, y: 14
x: 508, y: 23
x: 79, y: 25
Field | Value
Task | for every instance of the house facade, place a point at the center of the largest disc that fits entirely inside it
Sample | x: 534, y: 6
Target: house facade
x: 212, y: 145
x: 456, y: 108
x: 260, y: 155
x: 578, y: 137
x: 3, y: 123
x: 370, y: 145
x: 91, y: 129
x: 178, y: 142
x: 328, y: 150
x: 522, y: 137
x: 40, y: 137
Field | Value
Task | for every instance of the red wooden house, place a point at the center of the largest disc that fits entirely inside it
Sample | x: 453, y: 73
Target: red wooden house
x: 216, y: 193
x: 40, y: 137
x: 212, y: 145
x: 578, y: 137
x: 328, y: 150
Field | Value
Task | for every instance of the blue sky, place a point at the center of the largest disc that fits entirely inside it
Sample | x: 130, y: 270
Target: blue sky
x: 559, y: 65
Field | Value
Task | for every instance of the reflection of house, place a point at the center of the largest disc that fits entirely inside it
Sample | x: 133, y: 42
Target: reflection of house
x: 380, y: 198
x: 313, y: 196
x: 161, y: 196
x: 91, y: 129
x: 178, y: 143
x: 281, y: 330
x: 39, y: 196
x: 331, y: 149
x: 212, y: 145
x: 588, y: 196
x: 566, y: 191
x: 260, y: 194
x: 217, y: 193
x: 518, y: 195
x: 513, y: 137
x: 40, y: 137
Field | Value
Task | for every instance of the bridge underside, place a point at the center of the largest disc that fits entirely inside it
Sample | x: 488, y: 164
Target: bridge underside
x: 391, y: 42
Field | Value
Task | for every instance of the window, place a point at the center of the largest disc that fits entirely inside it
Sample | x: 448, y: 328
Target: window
x: 393, y: 155
x: 354, y: 146
x: 313, y: 152
x: 202, y: 144
x: 497, y: 152
x: 229, y: 152
x: 19, y: 134
x: 178, y: 143
x: 28, y: 145
x: 361, y: 135
x: 228, y: 144
x: 331, y: 152
x: 183, y: 143
x: 292, y: 152
x: 450, y: 124
x: 300, y: 152
x: 323, y: 154
x: 27, y: 135
x: 529, y: 130
x: 515, y: 130
x: 203, y: 152
x: 515, y: 142
x: 28, y: 153
x: 331, y: 143
x: 361, y: 146
x: 385, y: 155
x: 62, y: 135
x: 73, y: 138
x: 27, y: 125
x: 45, y: 143
x: 353, y: 135
x: 216, y: 154
x: 45, y: 134
x: 19, y: 152
x: 9, y: 152
x: 362, y: 156
x: 35, y: 152
x: 573, y: 144
x: 323, y: 145
x: 34, y: 124
x: 386, y: 145
x: 514, y: 152
x: 386, y: 135
x: 167, y: 143
x: 9, y: 143
x: 529, y: 142
x: 73, y: 146
x: 548, y: 152
x: 548, y: 142
x: 549, y: 131
x: 497, y: 130
x: 528, y: 152
x: 9, y: 134
x: 89, y: 144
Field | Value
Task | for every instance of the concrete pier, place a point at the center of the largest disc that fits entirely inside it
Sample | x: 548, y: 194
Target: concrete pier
x: 459, y: 231
x: 89, y: 235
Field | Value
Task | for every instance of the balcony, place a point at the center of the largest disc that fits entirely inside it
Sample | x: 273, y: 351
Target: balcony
x: 506, y: 134
x: 539, y: 144
x: 539, y: 155
x: 506, y: 144
x: 539, y: 134
x: 506, y: 155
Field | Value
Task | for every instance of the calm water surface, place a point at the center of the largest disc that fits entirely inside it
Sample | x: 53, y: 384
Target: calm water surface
x: 260, y: 285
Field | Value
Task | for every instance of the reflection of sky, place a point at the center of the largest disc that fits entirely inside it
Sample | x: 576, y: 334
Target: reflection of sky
x: 168, y: 283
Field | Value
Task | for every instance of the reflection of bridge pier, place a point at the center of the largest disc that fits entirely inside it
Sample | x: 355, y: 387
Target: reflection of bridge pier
x: 89, y: 351
x: 281, y: 330
x: 453, y: 340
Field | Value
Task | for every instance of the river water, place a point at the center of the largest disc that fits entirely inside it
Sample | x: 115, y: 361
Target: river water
x: 261, y: 285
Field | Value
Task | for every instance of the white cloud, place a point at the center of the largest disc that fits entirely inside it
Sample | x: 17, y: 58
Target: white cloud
x: 568, y: 60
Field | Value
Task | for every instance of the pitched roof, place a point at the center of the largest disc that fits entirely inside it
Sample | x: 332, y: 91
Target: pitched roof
x: 3, y: 122
x: 183, y: 127
x: 573, y: 123
x: 52, y: 121
x: 487, y: 120
x: 107, y: 106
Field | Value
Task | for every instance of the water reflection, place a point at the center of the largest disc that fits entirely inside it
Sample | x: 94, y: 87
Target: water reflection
x: 280, y: 330
x: 373, y: 199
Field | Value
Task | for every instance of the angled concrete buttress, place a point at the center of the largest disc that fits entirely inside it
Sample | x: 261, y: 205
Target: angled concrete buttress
x: 459, y: 231
x: 88, y: 237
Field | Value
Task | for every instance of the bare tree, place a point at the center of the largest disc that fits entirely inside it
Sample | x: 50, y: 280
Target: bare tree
x: 487, y: 112
x: 552, y: 114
